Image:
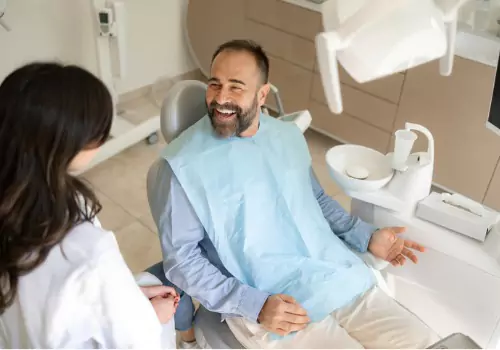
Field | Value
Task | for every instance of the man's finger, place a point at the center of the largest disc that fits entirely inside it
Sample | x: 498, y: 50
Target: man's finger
x: 414, y: 245
x: 288, y: 299
x: 401, y: 259
x: 281, y: 332
x: 291, y: 318
x: 410, y: 255
x: 295, y: 309
x: 398, y: 229
x: 291, y: 327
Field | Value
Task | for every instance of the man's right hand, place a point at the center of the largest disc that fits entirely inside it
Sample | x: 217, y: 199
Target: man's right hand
x: 282, y: 315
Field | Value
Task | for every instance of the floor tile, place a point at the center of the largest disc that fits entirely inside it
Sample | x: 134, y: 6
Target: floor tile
x: 140, y: 109
x: 147, y: 220
x: 112, y: 216
x: 123, y: 180
x: 139, y: 246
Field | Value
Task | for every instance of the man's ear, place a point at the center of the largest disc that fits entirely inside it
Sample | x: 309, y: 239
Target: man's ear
x: 262, y: 94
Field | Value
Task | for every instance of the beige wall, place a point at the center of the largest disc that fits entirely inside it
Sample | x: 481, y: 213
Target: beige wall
x: 453, y: 108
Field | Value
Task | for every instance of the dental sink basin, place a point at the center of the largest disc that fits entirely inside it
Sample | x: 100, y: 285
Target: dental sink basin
x: 358, y: 168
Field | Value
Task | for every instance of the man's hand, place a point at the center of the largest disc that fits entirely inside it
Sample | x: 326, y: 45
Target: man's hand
x: 385, y: 244
x: 281, y: 314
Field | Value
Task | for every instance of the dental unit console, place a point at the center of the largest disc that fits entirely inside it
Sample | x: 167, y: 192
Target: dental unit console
x: 401, y: 182
x: 462, y: 235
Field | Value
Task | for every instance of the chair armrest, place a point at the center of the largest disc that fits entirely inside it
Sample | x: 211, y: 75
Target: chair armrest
x: 301, y: 118
x: 372, y: 261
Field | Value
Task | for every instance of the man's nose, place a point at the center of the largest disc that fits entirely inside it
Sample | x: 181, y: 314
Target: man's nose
x: 222, y: 96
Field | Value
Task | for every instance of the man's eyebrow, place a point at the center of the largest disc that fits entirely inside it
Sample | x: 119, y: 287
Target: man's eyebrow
x: 237, y: 81
x: 217, y: 80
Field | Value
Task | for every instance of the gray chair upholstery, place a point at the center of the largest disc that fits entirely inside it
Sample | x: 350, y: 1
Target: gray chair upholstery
x: 183, y: 106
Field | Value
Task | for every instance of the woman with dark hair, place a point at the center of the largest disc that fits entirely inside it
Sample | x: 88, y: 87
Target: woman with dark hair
x: 63, y: 281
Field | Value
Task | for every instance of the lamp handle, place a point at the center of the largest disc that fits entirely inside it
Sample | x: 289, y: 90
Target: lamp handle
x: 326, y: 47
x: 427, y: 133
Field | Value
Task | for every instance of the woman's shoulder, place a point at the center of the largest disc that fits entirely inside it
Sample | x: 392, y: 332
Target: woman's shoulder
x: 87, y: 242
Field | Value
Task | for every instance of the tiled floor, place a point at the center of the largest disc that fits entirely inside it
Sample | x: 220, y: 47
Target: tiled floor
x: 121, y: 186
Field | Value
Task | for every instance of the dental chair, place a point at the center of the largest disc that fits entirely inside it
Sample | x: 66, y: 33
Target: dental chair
x: 183, y: 106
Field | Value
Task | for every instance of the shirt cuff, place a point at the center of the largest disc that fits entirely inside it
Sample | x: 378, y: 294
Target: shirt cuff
x: 252, y: 301
x: 362, y: 235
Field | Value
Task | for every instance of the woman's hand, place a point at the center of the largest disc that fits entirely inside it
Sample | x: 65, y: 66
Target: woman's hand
x: 164, y: 300
x: 159, y: 290
x: 164, y: 307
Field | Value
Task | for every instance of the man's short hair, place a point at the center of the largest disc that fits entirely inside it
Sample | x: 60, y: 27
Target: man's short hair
x: 252, y: 48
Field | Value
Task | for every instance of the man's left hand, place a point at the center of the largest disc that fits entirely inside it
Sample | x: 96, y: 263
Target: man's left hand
x: 386, y: 244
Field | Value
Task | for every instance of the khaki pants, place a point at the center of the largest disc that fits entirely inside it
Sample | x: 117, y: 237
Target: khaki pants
x: 373, y: 321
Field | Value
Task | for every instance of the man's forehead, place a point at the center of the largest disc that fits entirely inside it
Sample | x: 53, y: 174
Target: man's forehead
x: 234, y: 65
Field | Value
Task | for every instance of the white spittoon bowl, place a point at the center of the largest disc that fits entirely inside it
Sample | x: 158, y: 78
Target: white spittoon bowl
x: 358, y: 168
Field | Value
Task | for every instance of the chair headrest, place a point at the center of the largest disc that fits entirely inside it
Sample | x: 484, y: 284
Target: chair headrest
x: 183, y: 106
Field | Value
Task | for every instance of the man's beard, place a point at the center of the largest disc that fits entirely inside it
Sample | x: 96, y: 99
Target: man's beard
x: 235, y: 125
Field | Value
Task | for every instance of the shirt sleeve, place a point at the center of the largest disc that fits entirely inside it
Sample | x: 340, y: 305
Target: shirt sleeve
x: 185, y: 266
x: 122, y: 315
x: 352, y: 230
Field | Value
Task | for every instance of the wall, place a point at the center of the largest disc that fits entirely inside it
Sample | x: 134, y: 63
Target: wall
x: 62, y: 29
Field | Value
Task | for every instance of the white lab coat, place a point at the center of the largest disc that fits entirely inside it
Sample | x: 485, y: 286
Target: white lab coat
x: 83, y: 296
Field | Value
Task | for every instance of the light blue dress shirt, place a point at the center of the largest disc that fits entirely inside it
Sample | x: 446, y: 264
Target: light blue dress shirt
x: 192, y: 264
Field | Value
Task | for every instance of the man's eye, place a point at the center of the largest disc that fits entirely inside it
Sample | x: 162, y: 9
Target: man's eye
x: 236, y: 88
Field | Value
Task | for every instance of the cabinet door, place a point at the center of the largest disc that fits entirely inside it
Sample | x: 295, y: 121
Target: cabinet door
x: 282, y: 45
x: 210, y: 23
x: 454, y: 109
x: 293, y: 83
x: 346, y: 128
x: 361, y: 105
x: 387, y: 88
x: 287, y: 17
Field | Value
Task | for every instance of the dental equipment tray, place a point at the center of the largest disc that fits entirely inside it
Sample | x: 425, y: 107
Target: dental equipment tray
x: 458, y: 214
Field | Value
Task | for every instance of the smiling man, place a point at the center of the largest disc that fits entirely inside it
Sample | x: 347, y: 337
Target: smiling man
x: 248, y: 231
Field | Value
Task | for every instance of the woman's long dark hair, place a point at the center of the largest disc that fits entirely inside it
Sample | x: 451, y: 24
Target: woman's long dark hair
x: 48, y: 114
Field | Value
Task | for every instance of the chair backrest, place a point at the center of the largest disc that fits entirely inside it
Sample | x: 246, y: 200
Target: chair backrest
x: 183, y: 106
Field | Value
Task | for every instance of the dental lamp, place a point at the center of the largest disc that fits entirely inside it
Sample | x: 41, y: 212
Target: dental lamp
x: 375, y: 38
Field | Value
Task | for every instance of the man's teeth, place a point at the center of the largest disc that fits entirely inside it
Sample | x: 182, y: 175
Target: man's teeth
x: 225, y: 111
